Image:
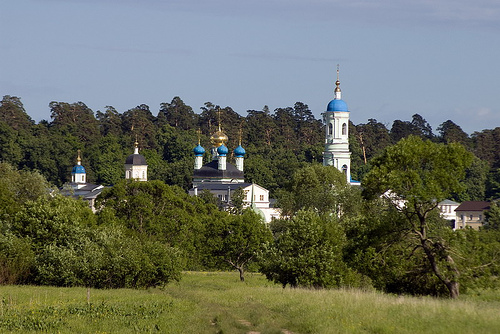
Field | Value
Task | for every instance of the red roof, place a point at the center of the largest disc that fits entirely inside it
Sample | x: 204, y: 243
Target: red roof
x: 473, y: 206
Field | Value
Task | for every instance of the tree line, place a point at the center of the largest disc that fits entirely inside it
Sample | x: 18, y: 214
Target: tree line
x: 333, y: 235
x: 143, y: 234
x: 277, y: 142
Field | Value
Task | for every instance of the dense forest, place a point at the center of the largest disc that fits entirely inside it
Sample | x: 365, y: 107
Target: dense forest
x: 277, y: 142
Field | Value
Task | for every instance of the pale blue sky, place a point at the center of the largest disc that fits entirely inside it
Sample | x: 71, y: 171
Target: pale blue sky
x: 439, y: 59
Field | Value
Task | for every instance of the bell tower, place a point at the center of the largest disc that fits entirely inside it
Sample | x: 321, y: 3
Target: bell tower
x: 336, y: 120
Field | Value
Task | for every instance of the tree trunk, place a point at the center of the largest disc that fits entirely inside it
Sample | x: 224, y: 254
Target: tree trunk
x: 453, y: 287
x: 242, y: 274
x: 451, y: 284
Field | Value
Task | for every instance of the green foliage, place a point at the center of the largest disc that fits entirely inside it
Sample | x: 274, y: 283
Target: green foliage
x: 450, y: 132
x: 307, y: 252
x: 16, y: 259
x: 55, y: 241
x: 208, y: 198
x: 475, y: 181
x: 154, y: 210
x: 381, y: 247
x: 19, y: 187
x: 317, y: 187
x: 487, y: 146
x: 237, y: 198
x: 415, y: 175
x: 493, y: 184
x: 58, y: 221
x: 108, y: 259
x: 74, y: 119
x: 177, y: 114
x: 234, y: 241
x: 419, y: 172
x: 106, y: 159
x: 492, y: 217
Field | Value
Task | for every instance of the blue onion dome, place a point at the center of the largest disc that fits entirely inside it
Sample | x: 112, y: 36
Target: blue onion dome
x: 199, y: 150
x: 222, y: 150
x: 239, y: 152
x: 337, y: 105
x: 78, y: 169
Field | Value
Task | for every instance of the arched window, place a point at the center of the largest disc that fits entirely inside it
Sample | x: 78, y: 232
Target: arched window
x: 344, y: 129
x: 330, y: 128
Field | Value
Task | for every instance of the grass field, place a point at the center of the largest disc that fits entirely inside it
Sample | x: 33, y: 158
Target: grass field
x: 219, y: 303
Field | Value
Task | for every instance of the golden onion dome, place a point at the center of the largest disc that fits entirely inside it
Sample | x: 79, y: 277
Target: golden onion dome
x: 218, y: 138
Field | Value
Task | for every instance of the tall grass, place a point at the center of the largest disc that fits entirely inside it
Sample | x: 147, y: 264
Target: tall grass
x: 220, y: 303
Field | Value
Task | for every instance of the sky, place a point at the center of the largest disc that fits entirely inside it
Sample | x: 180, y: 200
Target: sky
x: 397, y: 58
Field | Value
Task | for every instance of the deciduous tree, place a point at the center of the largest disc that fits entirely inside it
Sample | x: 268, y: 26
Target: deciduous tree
x: 307, y: 252
x: 419, y: 174
x: 236, y: 240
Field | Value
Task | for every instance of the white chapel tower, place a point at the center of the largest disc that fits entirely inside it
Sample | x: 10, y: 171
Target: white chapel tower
x: 136, y: 167
x: 336, y: 120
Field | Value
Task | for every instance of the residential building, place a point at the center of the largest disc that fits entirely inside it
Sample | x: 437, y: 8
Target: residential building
x: 471, y: 214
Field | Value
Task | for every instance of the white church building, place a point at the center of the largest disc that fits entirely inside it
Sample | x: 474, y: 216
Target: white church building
x: 222, y: 178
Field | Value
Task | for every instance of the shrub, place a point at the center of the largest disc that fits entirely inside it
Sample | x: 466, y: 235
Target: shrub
x: 16, y: 259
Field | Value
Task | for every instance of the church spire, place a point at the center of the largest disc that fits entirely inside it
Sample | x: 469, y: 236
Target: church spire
x: 338, y: 92
x: 136, y: 146
x: 218, y: 115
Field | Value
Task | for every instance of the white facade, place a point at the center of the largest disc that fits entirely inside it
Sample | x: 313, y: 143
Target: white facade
x: 255, y: 196
x: 139, y: 173
x: 447, y: 210
x: 337, y: 152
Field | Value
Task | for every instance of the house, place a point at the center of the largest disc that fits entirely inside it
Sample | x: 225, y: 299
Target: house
x: 471, y: 214
x: 447, y: 210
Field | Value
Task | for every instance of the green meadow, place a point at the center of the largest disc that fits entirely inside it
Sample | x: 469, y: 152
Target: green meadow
x: 219, y: 303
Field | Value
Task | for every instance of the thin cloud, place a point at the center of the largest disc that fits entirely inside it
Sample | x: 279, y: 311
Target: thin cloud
x: 386, y: 12
x: 181, y: 52
x: 277, y: 56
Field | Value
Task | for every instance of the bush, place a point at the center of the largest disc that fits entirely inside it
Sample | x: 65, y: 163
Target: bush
x: 307, y: 252
x: 16, y: 259
x: 108, y: 260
